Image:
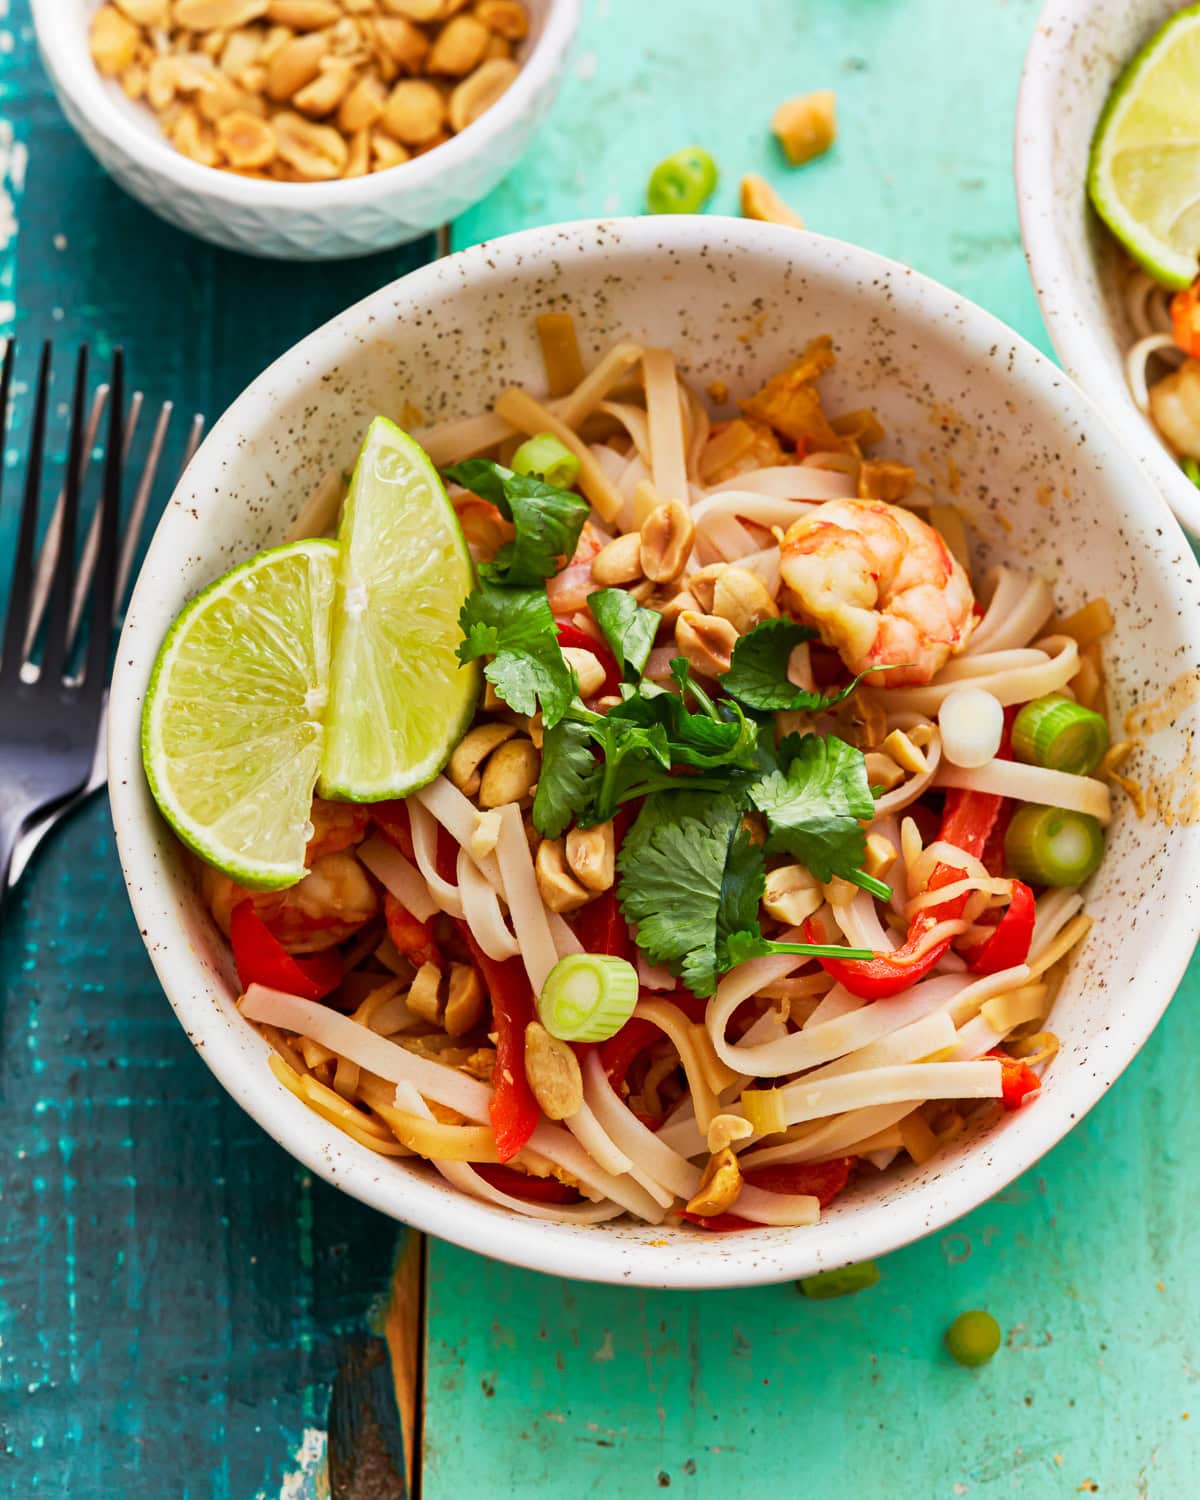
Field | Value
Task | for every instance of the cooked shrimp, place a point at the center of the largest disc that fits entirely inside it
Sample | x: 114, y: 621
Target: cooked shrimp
x: 336, y: 826
x: 881, y: 587
x: 484, y: 528
x: 328, y: 906
x: 569, y: 589
x: 1175, y: 407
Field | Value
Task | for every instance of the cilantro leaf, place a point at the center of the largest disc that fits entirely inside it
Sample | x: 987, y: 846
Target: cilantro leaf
x: 758, y: 676
x: 705, y: 740
x: 547, y: 521
x: 672, y: 886
x: 814, y: 808
x: 741, y: 947
x: 567, y: 781
x: 515, y: 628
x: 628, y: 628
x: 742, y: 888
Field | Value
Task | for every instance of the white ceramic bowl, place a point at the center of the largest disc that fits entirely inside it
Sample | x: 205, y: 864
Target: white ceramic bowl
x: 301, y: 221
x: 736, y: 300
x: 1079, y: 48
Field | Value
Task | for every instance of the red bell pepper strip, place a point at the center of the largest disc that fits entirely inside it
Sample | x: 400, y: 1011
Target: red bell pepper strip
x: 391, y: 818
x: 824, y: 1180
x: 521, y: 1185
x: 414, y: 939
x: 1185, y: 319
x: 619, y: 1051
x: 1009, y: 944
x: 1017, y: 1080
x: 601, y: 928
x: 260, y: 958
x: 571, y: 635
x: 514, y: 1111
x: 967, y: 821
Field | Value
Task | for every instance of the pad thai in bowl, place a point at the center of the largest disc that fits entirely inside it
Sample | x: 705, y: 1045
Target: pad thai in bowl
x: 706, y: 806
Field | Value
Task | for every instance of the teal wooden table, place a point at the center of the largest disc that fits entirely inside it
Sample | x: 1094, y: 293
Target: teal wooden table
x: 178, y: 1300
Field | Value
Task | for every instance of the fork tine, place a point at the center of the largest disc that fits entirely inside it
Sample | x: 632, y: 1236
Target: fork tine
x: 11, y: 655
x: 44, y: 572
x: 87, y: 559
x: 58, y: 606
x: 141, y: 499
x: 103, y: 595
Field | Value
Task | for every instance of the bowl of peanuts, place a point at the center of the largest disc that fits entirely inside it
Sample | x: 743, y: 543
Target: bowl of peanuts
x: 306, y: 129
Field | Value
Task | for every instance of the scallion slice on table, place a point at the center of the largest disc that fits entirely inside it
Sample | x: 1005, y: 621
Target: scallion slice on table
x: 973, y: 1337
x: 548, y: 458
x: 682, y: 183
x: 588, y: 997
x: 842, y: 1282
x: 1051, y: 846
x: 1061, y: 735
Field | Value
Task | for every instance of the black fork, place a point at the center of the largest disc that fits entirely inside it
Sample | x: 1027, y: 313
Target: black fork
x: 49, y: 720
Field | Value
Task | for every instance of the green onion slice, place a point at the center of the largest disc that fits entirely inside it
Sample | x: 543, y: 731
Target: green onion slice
x: 1051, y: 846
x: 546, y: 456
x: 1061, y: 735
x: 588, y: 997
x: 973, y: 1337
x: 682, y: 183
x: 841, y: 1283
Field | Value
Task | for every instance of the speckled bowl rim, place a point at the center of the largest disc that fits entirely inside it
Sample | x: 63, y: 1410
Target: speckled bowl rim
x: 1046, y: 75
x: 749, y: 1258
x: 87, y: 91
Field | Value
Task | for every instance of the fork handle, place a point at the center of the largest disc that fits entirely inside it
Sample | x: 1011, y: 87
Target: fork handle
x: 12, y: 824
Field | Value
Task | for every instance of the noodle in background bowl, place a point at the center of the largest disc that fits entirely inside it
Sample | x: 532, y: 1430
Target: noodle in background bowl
x: 1078, y: 50
x: 959, y: 393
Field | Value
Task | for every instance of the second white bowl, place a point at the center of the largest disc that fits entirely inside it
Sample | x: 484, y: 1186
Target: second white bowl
x: 302, y: 220
x: 1078, y: 50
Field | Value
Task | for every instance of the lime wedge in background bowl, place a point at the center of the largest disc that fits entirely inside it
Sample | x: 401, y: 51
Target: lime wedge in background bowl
x: 1144, y: 172
x: 232, y: 728
x: 399, y: 698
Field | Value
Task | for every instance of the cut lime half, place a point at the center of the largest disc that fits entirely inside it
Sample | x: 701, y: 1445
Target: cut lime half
x: 232, y: 725
x: 1144, y: 173
x: 399, y: 698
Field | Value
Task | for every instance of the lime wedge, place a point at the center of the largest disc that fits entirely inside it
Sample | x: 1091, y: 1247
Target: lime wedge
x: 1144, y: 173
x: 232, y: 726
x: 399, y: 698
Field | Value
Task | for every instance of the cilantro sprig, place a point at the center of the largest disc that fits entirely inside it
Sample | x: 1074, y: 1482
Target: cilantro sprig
x: 758, y: 673
x: 516, y: 629
x: 627, y: 627
x: 547, y: 521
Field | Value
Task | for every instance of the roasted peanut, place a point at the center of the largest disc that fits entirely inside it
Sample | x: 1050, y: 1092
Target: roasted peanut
x: 806, y: 126
x: 194, y: 137
x: 673, y: 606
x: 114, y: 41
x: 216, y: 15
x: 742, y: 598
x: 358, y: 157
x: 245, y: 140
x: 424, y: 998
x: 553, y: 1073
x: 323, y: 95
x: 591, y: 856
x: 719, y: 1186
x: 386, y: 152
x: 362, y: 105
x: 146, y: 12
x: 883, y: 479
x: 498, y: 48
x: 510, y: 774
x: 459, y: 47
x: 588, y: 671
x: 464, y: 1000
x: 480, y: 90
x: 723, y: 1130
x: 702, y: 585
x: 559, y: 889
x: 316, y: 152
x: 707, y: 641
x: 761, y: 201
x: 791, y: 894
x: 414, y: 112
x: 405, y: 45
x: 417, y: 10
x: 508, y: 18
x: 618, y: 562
x: 904, y: 752
x: 471, y: 752
x: 240, y: 52
x: 295, y: 64
x: 304, y: 15
x: 666, y: 541
x: 134, y: 80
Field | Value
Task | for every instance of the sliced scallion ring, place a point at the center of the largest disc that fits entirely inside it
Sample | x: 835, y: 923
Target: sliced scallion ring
x: 547, y: 457
x: 588, y: 997
x: 1061, y: 735
x: 1051, y: 846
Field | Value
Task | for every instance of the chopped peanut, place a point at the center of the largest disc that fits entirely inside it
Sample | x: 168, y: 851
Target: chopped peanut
x: 553, y: 1073
x: 558, y: 887
x: 591, y: 855
x: 882, y: 479
x: 806, y: 126
x: 719, y: 1186
x: 761, y: 201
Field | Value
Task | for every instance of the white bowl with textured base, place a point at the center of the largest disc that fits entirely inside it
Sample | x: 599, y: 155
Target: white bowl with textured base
x: 301, y: 221
x: 1078, y: 50
x: 1043, y: 482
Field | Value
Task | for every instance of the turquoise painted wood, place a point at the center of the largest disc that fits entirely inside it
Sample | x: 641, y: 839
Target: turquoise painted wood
x: 176, y: 1296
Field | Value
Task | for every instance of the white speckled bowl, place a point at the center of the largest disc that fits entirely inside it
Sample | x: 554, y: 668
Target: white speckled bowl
x: 1043, y: 480
x: 1079, y: 48
x: 301, y: 221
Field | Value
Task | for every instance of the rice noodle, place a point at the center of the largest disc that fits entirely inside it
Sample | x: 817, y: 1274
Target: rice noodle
x: 457, y: 815
x: 633, y: 419
x: 749, y: 505
x: 534, y: 938
x: 481, y: 909
x: 1054, y: 910
x: 1019, y: 607
x: 723, y: 538
x: 666, y: 424
x: 1011, y: 778
x: 783, y: 1210
x: 530, y: 416
x: 829, y: 1138
x: 792, y: 482
x: 424, y: 828
x: 836, y: 1002
x: 398, y: 876
x: 591, y: 1135
x: 914, y: 1082
x: 640, y: 1144
x: 671, y: 1020
x: 1009, y: 676
x: 915, y: 786
x: 1136, y: 360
